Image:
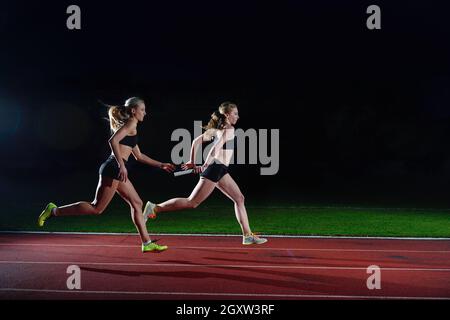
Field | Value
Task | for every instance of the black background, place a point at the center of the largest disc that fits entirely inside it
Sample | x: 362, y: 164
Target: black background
x: 363, y: 114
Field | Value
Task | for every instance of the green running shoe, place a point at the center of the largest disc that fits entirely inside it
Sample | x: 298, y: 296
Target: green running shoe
x: 153, y: 247
x: 47, y: 213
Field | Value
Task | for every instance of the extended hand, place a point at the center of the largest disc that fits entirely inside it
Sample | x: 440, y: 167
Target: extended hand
x: 187, y: 165
x: 169, y: 167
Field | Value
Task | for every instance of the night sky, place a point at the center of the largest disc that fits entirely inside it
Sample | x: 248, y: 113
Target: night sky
x: 363, y: 114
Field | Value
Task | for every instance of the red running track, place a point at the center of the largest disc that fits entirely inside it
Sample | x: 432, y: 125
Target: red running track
x: 34, y: 266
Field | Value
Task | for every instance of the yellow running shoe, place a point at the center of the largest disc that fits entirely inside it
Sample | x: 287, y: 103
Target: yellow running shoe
x: 46, y: 214
x: 153, y: 247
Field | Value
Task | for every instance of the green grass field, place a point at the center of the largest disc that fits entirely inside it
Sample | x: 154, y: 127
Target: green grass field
x: 218, y: 218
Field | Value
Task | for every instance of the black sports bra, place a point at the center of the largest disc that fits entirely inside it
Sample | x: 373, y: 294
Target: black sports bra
x: 130, y: 141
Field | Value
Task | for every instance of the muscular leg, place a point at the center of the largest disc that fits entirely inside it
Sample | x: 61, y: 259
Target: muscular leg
x: 229, y: 187
x: 128, y: 193
x: 201, y: 191
x: 105, y: 192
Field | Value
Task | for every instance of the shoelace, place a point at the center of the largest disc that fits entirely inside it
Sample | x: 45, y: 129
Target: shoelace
x: 254, y: 235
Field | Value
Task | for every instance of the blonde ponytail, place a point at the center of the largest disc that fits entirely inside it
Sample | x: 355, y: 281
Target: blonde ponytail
x: 218, y: 118
x: 119, y: 115
x: 217, y: 121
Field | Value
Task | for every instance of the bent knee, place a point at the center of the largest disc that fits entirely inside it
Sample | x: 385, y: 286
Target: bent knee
x: 191, y: 204
x: 240, y: 199
x: 136, y: 204
x: 98, y: 210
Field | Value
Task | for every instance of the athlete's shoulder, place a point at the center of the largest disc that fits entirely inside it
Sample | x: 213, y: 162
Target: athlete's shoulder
x: 209, y: 134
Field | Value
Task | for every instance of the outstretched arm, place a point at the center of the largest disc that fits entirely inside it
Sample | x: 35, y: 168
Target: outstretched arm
x: 169, y: 167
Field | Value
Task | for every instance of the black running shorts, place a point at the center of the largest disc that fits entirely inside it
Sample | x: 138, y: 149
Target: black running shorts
x: 215, y: 172
x: 110, y: 168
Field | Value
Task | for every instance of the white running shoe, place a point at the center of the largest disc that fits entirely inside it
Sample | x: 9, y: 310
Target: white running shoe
x: 253, y: 239
x: 149, y: 211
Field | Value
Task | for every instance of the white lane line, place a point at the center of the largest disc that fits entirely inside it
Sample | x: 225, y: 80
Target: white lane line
x: 225, y: 235
x: 225, y: 248
x: 223, y: 294
x: 183, y: 265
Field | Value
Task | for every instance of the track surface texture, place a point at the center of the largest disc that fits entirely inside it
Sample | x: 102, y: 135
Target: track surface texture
x: 35, y: 266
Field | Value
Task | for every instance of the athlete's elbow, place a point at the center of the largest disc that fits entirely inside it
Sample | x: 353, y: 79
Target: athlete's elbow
x: 112, y: 141
x: 138, y: 157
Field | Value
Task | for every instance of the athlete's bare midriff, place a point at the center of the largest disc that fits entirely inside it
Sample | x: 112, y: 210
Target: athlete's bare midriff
x: 125, y: 151
x: 225, y: 155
